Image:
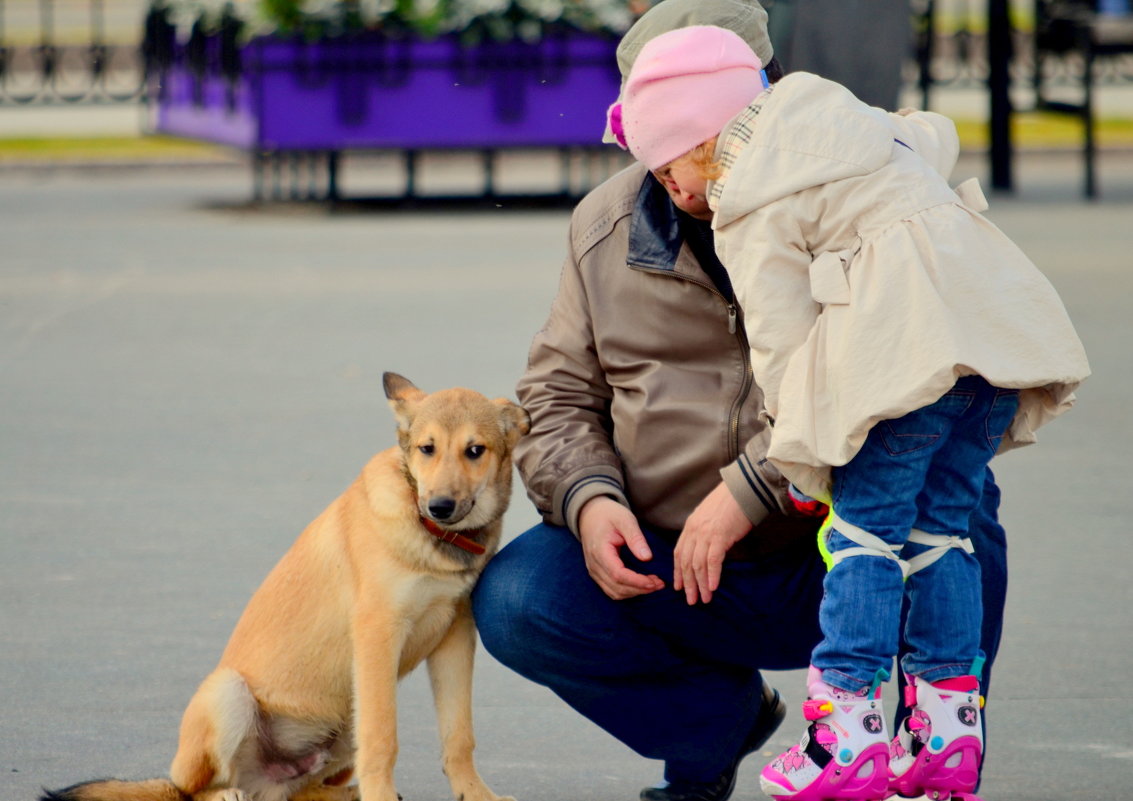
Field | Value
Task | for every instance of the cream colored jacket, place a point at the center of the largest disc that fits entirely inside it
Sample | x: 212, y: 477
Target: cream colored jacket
x: 868, y: 285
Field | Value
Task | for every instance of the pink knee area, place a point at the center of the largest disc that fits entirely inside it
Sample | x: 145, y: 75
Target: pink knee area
x: 280, y: 771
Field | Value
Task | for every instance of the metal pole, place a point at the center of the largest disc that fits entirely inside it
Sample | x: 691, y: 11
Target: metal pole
x: 488, y: 162
x: 1091, y: 146
x: 410, y: 173
x: 925, y: 50
x: 332, y: 176
x: 258, y: 176
x: 999, y: 84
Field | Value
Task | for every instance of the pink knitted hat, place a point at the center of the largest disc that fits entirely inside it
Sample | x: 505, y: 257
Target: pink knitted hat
x: 684, y: 87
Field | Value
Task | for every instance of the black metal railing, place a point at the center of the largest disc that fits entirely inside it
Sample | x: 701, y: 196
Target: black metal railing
x: 958, y: 57
x: 66, y: 52
x: 54, y: 52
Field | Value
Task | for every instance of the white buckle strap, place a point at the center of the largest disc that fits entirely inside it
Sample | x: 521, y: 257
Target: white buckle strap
x: 871, y: 545
x: 941, y: 543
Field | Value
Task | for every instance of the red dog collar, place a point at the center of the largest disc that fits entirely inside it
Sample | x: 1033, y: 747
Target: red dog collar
x: 452, y: 537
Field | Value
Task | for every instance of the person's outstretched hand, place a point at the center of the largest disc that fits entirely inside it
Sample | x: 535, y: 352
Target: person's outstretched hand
x: 715, y: 525
x: 604, y: 527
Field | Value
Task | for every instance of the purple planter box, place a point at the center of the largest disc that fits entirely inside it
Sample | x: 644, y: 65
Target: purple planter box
x: 370, y: 92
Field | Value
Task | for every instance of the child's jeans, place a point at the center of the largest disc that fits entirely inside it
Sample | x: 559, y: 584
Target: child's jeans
x: 923, y: 471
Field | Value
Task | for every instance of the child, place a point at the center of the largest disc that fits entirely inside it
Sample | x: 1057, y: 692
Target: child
x: 900, y: 340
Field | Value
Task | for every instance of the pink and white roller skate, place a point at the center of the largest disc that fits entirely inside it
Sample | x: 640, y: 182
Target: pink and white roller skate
x: 844, y: 754
x: 938, y: 749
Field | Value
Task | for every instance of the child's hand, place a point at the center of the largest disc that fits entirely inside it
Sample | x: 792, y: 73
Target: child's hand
x: 806, y: 505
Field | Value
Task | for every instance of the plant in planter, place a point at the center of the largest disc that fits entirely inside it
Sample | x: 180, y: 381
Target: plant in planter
x: 474, y: 21
x: 312, y: 76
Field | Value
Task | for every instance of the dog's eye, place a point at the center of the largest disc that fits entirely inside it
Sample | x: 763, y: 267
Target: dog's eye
x: 474, y: 451
x: 426, y: 449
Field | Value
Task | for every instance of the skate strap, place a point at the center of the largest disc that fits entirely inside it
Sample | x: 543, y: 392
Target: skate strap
x: 815, y: 750
x: 871, y: 545
x: 960, y: 684
x: 941, y: 544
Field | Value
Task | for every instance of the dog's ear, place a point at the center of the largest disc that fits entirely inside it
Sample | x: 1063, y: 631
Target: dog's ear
x: 403, y: 397
x: 516, y: 420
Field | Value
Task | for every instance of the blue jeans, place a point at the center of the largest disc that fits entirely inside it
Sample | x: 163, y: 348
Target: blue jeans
x: 923, y: 471
x: 674, y: 682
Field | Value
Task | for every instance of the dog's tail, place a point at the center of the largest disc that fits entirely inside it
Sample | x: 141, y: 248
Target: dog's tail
x: 223, y: 704
x: 115, y: 790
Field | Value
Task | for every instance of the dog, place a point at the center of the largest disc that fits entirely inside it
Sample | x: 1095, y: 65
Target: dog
x: 304, y: 696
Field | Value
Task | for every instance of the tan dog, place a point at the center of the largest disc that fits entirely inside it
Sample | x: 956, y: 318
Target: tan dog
x: 306, y: 691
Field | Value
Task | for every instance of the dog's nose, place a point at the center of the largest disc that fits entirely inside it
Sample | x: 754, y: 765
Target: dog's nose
x: 442, y: 508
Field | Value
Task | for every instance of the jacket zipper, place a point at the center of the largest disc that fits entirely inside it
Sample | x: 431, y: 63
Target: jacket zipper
x: 735, y: 447
x: 745, y: 387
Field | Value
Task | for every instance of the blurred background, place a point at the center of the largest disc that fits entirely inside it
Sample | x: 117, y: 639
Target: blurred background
x: 220, y: 222
x: 132, y: 82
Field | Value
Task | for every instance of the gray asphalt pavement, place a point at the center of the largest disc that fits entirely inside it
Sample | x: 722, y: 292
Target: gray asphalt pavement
x: 185, y: 382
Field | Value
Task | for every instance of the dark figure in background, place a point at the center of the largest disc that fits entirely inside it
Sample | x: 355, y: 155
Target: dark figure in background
x: 825, y: 37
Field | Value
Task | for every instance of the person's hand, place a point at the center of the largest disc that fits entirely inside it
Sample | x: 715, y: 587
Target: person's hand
x: 715, y: 525
x: 605, y: 526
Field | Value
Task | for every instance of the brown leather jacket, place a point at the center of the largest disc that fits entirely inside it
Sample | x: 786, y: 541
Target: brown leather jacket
x: 639, y: 385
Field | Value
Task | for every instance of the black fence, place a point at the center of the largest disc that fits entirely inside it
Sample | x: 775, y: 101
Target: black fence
x: 69, y: 52
x: 954, y: 53
x: 56, y: 52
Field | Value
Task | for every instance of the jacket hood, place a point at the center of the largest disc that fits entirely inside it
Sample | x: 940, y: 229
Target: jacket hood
x: 809, y: 132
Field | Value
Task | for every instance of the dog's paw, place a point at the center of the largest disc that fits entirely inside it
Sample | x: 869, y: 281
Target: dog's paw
x: 486, y: 795
x: 230, y: 794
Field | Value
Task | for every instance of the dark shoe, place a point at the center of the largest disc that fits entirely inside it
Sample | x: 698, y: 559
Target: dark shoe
x: 771, y: 714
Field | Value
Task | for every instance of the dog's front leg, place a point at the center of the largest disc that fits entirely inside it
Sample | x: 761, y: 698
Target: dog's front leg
x: 450, y: 671
x: 378, y: 640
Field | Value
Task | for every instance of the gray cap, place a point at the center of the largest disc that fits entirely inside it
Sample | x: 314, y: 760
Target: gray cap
x: 745, y: 17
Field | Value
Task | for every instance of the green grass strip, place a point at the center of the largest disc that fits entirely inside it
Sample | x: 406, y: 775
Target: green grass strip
x: 1043, y: 130
x: 107, y: 148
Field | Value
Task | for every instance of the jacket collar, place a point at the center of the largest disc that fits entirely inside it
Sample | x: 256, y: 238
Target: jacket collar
x: 654, y: 233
